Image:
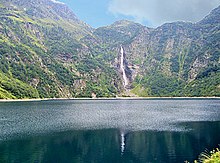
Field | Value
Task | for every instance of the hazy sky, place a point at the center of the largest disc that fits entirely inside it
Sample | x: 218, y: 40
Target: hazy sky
x: 148, y: 12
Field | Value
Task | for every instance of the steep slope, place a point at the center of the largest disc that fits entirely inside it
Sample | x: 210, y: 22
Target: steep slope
x: 172, y: 60
x: 106, y: 42
x: 48, y: 12
x: 178, y: 53
x: 46, y: 51
x: 40, y: 47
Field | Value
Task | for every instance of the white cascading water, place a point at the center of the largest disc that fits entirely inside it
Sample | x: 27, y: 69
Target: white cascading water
x: 125, y: 79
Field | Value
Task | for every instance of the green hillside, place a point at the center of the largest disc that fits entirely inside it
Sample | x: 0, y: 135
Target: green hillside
x: 47, y: 52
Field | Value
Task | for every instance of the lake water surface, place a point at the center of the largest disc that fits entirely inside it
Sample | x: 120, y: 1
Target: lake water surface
x: 154, y: 130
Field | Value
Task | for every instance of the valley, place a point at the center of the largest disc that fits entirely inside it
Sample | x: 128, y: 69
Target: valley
x: 47, y: 52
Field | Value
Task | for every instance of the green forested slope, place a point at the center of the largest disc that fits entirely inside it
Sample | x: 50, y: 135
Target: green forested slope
x: 175, y: 59
x: 47, y: 52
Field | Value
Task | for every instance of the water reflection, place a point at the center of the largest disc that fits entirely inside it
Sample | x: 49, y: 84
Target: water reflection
x: 30, y: 118
x: 122, y: 142
x: 114, y: 145
x: 123, y: 135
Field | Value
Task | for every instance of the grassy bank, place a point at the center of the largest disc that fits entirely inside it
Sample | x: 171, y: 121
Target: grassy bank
x: 211, y: 157
x: 208, y: 157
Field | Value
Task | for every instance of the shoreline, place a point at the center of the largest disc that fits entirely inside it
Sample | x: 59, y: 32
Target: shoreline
x: 105, y: 98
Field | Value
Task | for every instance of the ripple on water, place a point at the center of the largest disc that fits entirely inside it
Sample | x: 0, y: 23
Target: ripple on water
x: 54, y: 116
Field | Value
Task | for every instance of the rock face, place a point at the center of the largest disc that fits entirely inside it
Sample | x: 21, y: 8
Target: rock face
x: 45, y: 48
x: 176, y: 52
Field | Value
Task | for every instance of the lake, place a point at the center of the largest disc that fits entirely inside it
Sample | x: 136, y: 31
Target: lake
x: 145, y: 130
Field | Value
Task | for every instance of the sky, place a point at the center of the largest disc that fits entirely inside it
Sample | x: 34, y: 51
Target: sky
x: 151, y: 13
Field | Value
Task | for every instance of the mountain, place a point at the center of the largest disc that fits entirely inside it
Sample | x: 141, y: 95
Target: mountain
x: 46, y: 51
x: 175, y: 59
x: 42, y: 56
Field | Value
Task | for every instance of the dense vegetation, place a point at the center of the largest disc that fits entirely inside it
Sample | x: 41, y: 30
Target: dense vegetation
x: 48, y: 53
x: 43, y: 57
x: 161, y: 85
x: 209, y: 157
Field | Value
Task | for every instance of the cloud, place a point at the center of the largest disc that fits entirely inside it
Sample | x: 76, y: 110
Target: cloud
x: 157, y: 12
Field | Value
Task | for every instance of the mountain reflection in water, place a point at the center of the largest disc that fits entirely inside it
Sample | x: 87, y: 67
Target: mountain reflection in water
x: 107, y: 145
x: 157, y: 130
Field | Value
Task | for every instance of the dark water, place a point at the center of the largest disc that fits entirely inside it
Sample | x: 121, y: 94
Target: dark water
x: 108, y: 130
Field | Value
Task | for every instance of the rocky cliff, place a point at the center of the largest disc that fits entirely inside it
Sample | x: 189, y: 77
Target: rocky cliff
x: 46, y: 51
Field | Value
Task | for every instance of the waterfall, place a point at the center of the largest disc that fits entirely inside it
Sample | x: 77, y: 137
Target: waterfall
x: 125, y: 79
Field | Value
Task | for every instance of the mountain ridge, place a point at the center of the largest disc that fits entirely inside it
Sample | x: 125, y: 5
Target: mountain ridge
x: 61, y: 56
